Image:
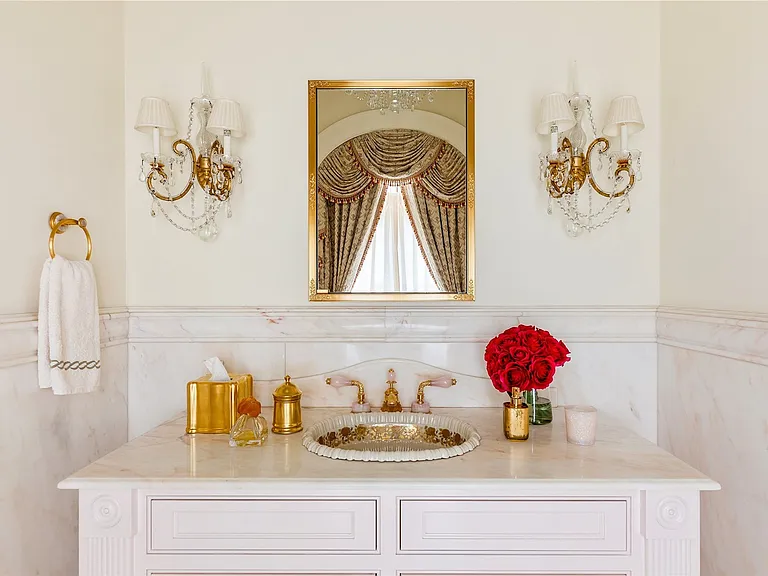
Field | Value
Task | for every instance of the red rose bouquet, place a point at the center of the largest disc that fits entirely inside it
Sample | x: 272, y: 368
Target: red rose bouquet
x: 524, y: 357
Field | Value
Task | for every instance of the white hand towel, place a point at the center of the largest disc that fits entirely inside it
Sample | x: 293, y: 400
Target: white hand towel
x: 69, y: 349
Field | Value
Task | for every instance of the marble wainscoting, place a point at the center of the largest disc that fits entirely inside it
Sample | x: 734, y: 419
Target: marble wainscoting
x: 45, y: 438
x: 713, y: 413
x: 613, y: 367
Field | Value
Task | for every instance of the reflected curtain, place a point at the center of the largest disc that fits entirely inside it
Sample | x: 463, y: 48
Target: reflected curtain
x: 351, y: 184
x: 345, y: 231
x: 441, y: 231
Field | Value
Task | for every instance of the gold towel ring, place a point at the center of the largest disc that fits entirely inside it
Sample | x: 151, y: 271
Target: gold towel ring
x: 58, y: 223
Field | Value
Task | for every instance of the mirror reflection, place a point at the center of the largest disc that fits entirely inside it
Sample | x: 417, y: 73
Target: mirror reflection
x: 392, y: 190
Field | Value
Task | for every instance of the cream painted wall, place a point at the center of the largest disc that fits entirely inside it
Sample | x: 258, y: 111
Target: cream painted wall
x: 263, y: 55
x: 715, y: 86
x: 62, y: 144
x: 61, y: 93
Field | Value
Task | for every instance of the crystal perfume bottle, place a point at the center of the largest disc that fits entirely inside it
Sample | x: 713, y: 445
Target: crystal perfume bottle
x: 251, y: 428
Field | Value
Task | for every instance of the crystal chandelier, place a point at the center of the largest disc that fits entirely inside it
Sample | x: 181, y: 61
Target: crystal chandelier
x: 572, y: 161
x: 212, y: 168
x: 395, y: 101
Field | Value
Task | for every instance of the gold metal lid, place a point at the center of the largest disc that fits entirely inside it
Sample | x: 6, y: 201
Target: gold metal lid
x: 287, y: 391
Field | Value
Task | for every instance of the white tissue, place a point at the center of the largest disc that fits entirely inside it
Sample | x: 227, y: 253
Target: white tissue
x: 217, y: 370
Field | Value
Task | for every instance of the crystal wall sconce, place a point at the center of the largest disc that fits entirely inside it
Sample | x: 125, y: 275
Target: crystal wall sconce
x: 207, y: 164
x: 572, y: 161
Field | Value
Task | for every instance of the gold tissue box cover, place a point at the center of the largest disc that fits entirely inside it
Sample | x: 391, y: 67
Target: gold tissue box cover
x: 212, y: 406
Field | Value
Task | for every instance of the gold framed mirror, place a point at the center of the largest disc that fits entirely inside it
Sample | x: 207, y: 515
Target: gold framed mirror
x: 391, y: 190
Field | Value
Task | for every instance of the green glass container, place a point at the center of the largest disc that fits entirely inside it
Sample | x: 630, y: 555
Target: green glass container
x: 540, y: 408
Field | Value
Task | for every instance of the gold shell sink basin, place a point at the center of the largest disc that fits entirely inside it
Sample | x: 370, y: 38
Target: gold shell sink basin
x: 391, y: 437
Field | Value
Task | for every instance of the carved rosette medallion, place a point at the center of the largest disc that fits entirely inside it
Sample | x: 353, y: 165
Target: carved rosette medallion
x: 106, y: 511
x: 671, y: 513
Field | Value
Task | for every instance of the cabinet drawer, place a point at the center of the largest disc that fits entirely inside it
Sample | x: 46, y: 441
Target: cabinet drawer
x: 261, y: 525
x: 514, y: 526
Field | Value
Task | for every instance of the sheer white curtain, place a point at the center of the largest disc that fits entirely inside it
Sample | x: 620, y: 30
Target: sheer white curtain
x: 394, y: 262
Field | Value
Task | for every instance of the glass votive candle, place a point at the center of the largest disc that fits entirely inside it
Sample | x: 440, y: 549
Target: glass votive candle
x: 581, y: 425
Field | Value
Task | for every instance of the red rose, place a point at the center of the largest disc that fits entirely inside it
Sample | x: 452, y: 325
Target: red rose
x: 515, y: 376
x: 497, y: 381
x: 525, y: 357
x: 508, y: 339
x: 542, y: 372
x: 520, y: 355
x: 533, y: 341
x: 558, y: 352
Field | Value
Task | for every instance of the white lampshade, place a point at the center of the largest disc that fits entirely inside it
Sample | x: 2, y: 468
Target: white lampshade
x: 155, y: 113
x: 555, y: 111
x: 624, y: 110
x: 226, y: 116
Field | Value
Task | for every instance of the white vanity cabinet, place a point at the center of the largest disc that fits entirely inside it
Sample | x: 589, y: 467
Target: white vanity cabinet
x: 170, y: 505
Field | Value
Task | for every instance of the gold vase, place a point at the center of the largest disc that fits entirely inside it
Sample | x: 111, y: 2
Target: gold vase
x: 516, y: 424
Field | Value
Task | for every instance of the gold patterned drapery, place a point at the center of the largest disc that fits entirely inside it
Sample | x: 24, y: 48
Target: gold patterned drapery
x: 351, y: 185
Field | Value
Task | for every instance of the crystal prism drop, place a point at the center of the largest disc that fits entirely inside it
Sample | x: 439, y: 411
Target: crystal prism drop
x: 208, y: 232
x: 229, y: 210
x: 573, y: 230
x: 549, y: 206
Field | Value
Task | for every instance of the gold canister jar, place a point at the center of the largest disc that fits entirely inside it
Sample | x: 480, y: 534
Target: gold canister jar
x: 287, y: 410
x: 516, y: 424
x: 212, y: 406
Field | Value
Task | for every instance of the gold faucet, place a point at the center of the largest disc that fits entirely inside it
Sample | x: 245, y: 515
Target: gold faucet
x: 339, y: 381
x: 420, y: 404
x: 391, y: 397
x: 441, y: 382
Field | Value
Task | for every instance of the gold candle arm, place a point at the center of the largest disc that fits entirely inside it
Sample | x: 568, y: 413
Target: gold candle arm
x: 622, y: 165
x: 213, y: 178
x: 565, y: 177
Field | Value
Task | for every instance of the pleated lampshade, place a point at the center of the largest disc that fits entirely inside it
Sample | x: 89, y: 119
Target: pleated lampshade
x: 623, y: 110
x: 226, y: 116
x: 555, y: 111
x: 155, y: 113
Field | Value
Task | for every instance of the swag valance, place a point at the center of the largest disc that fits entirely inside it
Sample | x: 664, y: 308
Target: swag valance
x: 394, y: 157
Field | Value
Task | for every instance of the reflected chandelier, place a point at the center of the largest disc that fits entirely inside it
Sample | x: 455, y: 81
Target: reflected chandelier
x: 570, y: 165
x: 212, y: 167
x: 395, y: 101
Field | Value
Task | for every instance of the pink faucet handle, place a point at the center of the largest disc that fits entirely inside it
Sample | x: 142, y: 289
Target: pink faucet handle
x: 444, y: 382
x: 338, y: 381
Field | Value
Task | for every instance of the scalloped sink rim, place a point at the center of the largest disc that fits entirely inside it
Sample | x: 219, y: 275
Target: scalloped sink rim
x: 467, y: 431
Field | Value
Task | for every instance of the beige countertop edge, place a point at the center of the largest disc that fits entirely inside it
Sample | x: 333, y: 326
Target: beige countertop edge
x: 226, y: 484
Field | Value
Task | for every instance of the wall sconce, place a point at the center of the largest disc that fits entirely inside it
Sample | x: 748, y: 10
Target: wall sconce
x: 570, y: 161
x: 212, y: 166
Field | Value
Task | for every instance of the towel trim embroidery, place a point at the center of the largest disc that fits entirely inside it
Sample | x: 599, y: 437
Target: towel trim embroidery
x: 76, y: 365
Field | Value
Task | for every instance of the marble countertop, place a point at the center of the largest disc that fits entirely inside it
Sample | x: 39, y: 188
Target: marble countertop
x: 167, y: 455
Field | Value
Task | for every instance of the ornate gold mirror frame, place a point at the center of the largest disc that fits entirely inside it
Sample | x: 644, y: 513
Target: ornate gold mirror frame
x: 468, y: 86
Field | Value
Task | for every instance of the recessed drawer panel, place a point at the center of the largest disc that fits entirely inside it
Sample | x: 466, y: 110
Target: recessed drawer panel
x: 255, y: 525
x: 512, y: 574
x: 514, y: 526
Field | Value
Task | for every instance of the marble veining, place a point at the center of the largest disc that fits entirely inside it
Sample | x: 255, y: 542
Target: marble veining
x: 45, y: 438
x: 729, y: 334
x: 455, y: 323
x: 617, y: 378
x: 712, y: 414
x: 166, y: 456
